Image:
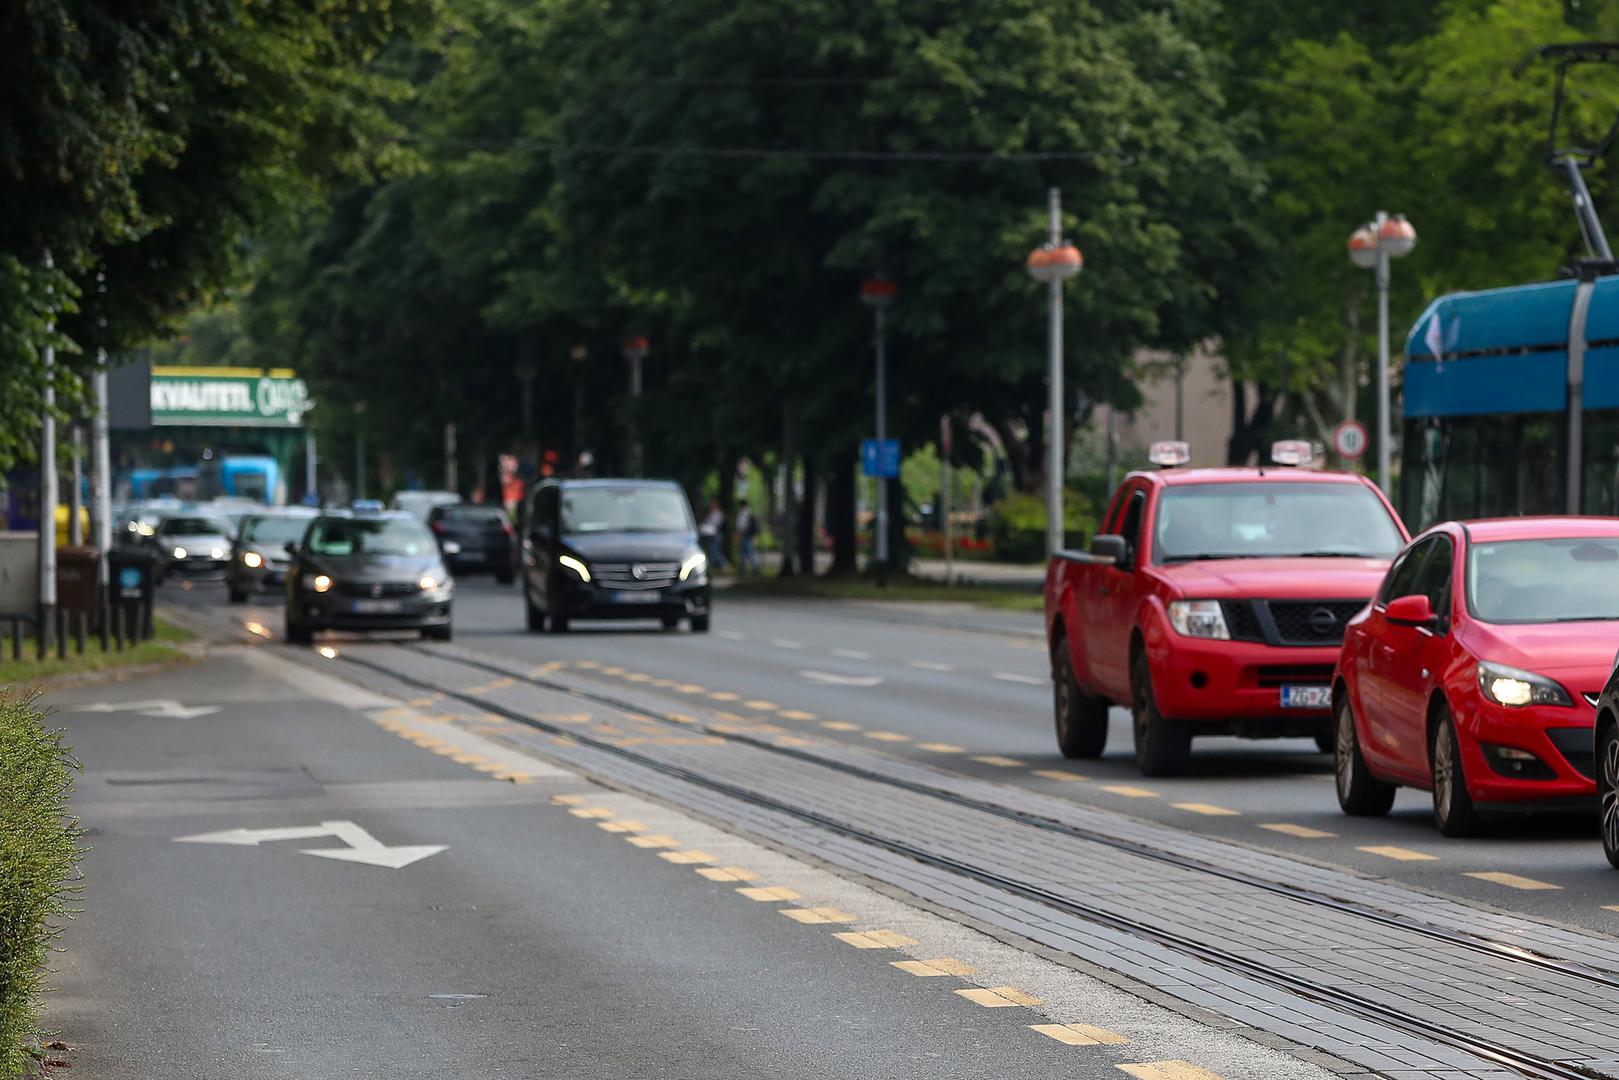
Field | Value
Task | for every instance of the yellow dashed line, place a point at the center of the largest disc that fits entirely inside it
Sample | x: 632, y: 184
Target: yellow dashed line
x: 653, y: 841
x: 927, y: 969
x: 1512, y: 881
x: 997, y: 760
x: 887, y: 736
x: 1129, y: 791
x: 691, y: 688
x: 1060, y: 774
x: 468, y: 759
x: 793, y: 740
x: 1205, y: 809
x: 875, y: 939
x: 623, y: 826
x: 1303, y: 832
x: 686, y: 857
x: 1080, y: 1034
x: 563, y: 740
x: 569, y: 800
x: 998, y: 997
x: 941, y: 748
x: 515, y: 777
x: 817, y: 915
x: 724, y: 695
x: 839, y: 725
x: 1168, y: 1070
x: 797, y: 714
x: 761, y: 706
x: 1389, y: 851
x: 611, y: 670
x: 592, y: 812
x: 727, y: 873
x: 586, y: 664
x: 769, y: 892
x: 636, y: 676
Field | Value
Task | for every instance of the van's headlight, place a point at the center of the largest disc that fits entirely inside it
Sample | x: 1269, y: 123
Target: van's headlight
x: 694, y: 565
x: 1510, y: 686
x: 576, y: 566
x: 1199, y: 618
x: 320, y: 583
x: 252, y: 560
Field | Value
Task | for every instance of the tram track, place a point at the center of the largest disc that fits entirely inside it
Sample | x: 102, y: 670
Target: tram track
x: 1348, y: 1001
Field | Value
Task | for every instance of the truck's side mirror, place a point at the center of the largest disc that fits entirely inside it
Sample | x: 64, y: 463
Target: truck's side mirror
x: 1111, y: 547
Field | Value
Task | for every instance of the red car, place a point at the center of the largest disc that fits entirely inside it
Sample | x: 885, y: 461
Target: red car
x: 1476, y: 671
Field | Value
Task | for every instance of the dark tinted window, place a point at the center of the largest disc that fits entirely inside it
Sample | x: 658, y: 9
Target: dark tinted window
x: 1407, y: 571
x: 1130, y: 528
x: 625, y: 509
x: 1434, y: 580
x: 190, y: 526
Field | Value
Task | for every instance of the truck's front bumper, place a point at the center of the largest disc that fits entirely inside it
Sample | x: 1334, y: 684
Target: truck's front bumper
x: 1238, y: 686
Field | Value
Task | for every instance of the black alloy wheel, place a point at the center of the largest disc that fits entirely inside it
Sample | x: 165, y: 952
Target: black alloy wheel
x: 1608, y: 791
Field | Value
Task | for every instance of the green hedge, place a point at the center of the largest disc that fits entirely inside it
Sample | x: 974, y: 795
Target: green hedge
x: 1018, y: 525
x: 39, y: 846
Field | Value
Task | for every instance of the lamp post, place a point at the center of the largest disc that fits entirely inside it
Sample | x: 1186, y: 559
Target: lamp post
x: 359, y: 450
x: 1053, y: 263
x: 877, y: 292
x: 635, y: 351
x: 1371, y: 247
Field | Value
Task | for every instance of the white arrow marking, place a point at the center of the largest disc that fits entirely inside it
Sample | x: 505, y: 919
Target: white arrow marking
x: 362, y: 846
x: 163, y: 707
x: 833, y: 679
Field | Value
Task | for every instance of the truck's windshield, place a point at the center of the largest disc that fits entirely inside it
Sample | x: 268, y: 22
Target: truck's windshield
x: 1272, y: 520
x: 622, y: 508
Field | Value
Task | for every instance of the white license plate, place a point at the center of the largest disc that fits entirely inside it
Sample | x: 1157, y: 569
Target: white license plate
x: 1306, y: 697
x: 648, y: 597
x: 377, y: 607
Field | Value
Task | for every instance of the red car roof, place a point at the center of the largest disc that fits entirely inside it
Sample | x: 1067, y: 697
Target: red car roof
x: 1541, y: 528
x: 1282, y: 474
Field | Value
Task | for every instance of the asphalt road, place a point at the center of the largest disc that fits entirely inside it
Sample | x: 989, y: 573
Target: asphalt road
x: 956, y: 687
x: 519, y: 935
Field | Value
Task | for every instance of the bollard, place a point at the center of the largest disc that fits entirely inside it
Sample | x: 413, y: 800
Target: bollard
x: 115, y: 615
x: 16, y: 639
x: 80, y: 630
x: 61, y: 633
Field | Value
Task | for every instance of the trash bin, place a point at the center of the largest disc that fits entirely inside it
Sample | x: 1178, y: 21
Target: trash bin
x: 78, y: 570
x: 129, y: 590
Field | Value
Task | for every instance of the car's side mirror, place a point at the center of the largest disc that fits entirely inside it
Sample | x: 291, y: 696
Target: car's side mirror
x: 292, y: 548
x: 1111, y: 546
x: 1414, y: 610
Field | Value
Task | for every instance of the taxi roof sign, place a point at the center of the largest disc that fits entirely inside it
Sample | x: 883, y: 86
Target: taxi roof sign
x: 1292, y: 452
x: 1169, y: 454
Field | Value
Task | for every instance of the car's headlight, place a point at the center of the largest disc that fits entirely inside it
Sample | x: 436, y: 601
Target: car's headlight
x: 320, y: 583
x: 427, y: 583
x: 216, y: 553
x: 1510, y: 686
x: 179, y: 553
x: 252, y: 560
x: 576, y: 566
x: 1199, y: 618
x: 694, y: 565
x: 143, y: 529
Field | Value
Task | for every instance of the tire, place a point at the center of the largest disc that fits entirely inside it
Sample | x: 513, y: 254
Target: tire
x: 558, y: 624
x: 1608, y: 791
x: 438, y: 633
x: 1163, y: 746
x: 1360, y: 794
x: 505, y: 579
x: 1327, y: 742
x: 534, y: 616
x: 1081, y: 719
x: 670, y: 623
x: 237, y: 596
x: 299, y: 634
x: 699, y: 624
x: 1453, y: 811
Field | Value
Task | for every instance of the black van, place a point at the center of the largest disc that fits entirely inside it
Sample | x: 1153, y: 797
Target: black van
x: 612, y: 549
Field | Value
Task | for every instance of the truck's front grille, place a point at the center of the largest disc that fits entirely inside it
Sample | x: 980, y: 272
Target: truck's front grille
x: 1312, y: 622
x: 1241, y: 620
x: 1281, y: 674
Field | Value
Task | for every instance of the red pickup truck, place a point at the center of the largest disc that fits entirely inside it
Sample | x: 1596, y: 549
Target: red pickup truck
x: 1213, y: 602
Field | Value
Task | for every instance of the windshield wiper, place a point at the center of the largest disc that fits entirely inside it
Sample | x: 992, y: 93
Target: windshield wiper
x: 1207, y: 557
x: 1329, y: 555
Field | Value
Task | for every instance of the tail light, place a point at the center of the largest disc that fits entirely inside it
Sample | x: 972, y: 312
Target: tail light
x: 437, y: 527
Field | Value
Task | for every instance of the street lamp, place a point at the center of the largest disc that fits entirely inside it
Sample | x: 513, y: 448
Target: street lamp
x: 877, y: 292
x: 1371, y: 247
x: 1053, y: 263
x: 635, y: 351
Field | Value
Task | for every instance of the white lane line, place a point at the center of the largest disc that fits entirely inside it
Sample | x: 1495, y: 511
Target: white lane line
x: 851, y: 654
x: 1026, y: 680
x: 729, y: 635
x: 832, y: 678
x: 783, y: 643
x: 932, y: 665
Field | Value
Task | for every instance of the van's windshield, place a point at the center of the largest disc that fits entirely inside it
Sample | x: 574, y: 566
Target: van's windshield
x: 625, y: 509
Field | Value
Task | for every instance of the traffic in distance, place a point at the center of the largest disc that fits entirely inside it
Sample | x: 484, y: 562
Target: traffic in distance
x: 1476, y: 662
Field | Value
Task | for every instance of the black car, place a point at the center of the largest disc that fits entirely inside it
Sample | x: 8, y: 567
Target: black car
x: 259, y: 558
x: 1606, y: 738
x: 612, y: 549
x: 367, y: 571
x: 476, y: 539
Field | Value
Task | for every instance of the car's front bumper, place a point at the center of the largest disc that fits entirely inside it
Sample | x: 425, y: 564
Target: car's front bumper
x: 1560, y: 737
x: 340, y: 611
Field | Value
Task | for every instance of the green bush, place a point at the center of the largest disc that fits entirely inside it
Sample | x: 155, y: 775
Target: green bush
x: 39, y: 846
x: 1018, y: 525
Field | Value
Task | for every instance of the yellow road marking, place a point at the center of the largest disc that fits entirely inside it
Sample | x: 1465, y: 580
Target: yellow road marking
x: 586, y: 664
x: 941, y: 748
x: 592, y: 812
x: 762, y: 706
x: 1080, y: 1034
x: 817, y: 915
x: 515, y: 777
x: 1512, y: 881
x: 1059, y: 774
x: 636, y: 676
x: 727, y: 873
x: 659, y: 840
x: 1205, y: 809
x: 623, y: 826
x: 1389, y: 851
x: 875, y: 939
x: 839, y: 725
x: 998, y: 997
x: 1130, y: 791
x: 793, y: 740
x: 683, y: 857
x: 1304, y: 832
x: 797, y: 714
x: 887, y: 736
x: 769, y: 892
x: 563, y: 740
x: 467, y: 759
x: 927, y: 969
x: 724, y: 695
x: 1168, y: 1070
x: 691, y: 688
x: 997, y: 760
x: 611, y: 670
x: 423, y: 702
x: 492, y: 767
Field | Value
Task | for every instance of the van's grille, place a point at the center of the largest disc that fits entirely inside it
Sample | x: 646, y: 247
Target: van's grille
x: 646, y: 575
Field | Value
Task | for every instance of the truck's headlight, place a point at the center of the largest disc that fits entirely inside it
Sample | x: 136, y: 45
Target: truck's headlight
x: 694, y: 565
x: 1510, y: 686
x: 1199, y: 618
x: 576, y: 566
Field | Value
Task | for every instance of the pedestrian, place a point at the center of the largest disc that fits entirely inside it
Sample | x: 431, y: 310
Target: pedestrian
x: 747, y: 534
x: 710, y: 533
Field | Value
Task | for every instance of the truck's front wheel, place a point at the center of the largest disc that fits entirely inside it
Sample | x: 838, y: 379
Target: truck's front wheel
x: 1162, y: 745
x: 1081, y: 719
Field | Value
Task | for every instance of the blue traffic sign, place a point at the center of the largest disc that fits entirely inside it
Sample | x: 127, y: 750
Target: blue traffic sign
x: 880, y: 458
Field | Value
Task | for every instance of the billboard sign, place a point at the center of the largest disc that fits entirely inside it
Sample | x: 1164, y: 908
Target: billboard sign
x: 228, y: 397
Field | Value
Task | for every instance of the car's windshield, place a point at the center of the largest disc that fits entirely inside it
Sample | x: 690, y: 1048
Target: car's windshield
x: 190, y: 526
x: 1275, y: 520
x: 370, y: 536
x: 1544, y: 581
x: 273, y: 529
x: 625, y: 509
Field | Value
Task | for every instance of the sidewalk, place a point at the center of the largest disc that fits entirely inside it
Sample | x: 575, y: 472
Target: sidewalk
x: 967, y: 571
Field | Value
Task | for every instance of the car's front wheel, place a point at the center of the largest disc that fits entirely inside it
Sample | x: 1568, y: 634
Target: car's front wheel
x: 1608, y: 790
x: 1081, y: 719
x: 1453, y: 808
x: 1360, y: 794
x: 534, y: 615
x: 1163, y: 746
x: 438, y: 633
x: 699, y: 624
x: 299, y: 634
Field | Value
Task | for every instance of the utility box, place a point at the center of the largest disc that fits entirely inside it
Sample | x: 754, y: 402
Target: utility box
x: 19, y: 574
x: 129, y: 588
x: 77, y: 571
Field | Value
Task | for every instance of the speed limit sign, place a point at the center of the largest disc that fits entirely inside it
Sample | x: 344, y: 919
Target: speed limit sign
x: 1349, y: 439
